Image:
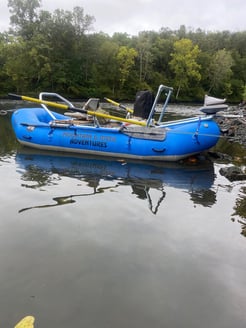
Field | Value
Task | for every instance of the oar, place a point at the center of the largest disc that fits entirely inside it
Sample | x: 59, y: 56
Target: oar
x: 66, y: 107
x: 27, y: 322
x: 119, y: 105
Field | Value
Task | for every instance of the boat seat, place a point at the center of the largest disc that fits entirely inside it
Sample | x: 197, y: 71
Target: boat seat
x: 91, y: 104
x: 143, y: 104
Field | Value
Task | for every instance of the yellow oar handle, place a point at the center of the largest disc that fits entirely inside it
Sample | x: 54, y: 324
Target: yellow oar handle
x: 66, y: 107
x: 119, y: 105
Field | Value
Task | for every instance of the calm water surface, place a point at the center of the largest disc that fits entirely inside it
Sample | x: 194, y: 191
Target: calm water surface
x: 92, y: 243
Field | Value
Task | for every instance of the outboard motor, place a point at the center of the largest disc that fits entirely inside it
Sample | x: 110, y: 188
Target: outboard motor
x: 143, y: 104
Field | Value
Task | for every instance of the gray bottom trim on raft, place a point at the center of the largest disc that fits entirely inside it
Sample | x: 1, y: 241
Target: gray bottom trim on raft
x: 165, y: 158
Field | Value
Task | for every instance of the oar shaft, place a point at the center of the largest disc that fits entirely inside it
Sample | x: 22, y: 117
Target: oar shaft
x: 62, y: 106
x: 39, y: 101
x: 119, y: 105
x: 116, y: 118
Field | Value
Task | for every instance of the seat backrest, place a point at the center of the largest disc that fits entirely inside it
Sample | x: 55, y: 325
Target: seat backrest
x: 143, y: 103
x: 92, y: 104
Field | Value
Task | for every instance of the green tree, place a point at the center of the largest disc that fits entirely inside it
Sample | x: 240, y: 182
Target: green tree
x: 65, y: 37
x: 17, y: 64
x: 106, y: 73
x: 125, y: 58
x: 58, y: 52
x: 161, y: 51
x: 82, y: 22
x: 24, y: 15
x: 27, y: 65
x: 145, y: 58
x: 184, y: 64
x: 3, y: 76
x: 220, y: 71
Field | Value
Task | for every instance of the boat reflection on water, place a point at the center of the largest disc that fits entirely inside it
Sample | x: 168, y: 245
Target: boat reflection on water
x: 39, y: 169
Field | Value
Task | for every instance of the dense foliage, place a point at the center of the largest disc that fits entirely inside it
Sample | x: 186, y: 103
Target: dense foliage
x: 58, y: 52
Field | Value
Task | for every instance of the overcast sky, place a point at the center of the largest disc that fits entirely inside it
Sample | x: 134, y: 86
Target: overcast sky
x: 132, y: 16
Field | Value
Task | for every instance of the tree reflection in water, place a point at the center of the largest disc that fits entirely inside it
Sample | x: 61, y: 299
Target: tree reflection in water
x: 38, y: 177
x: 206, y: 198
x: 240, y: 210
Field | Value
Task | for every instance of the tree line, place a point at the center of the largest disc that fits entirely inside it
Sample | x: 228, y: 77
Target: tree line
x: 58, y: 52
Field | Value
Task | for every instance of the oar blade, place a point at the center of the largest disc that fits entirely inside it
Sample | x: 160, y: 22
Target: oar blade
x: 14, y: 96
x: 27, y: 322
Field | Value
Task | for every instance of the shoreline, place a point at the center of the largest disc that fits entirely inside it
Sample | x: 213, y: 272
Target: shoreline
x: 233, y: 125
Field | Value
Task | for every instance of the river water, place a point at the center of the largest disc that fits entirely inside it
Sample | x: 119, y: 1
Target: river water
x: 91, y: 243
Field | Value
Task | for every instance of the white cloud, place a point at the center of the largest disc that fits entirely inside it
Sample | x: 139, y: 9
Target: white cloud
x: 132, y: 16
